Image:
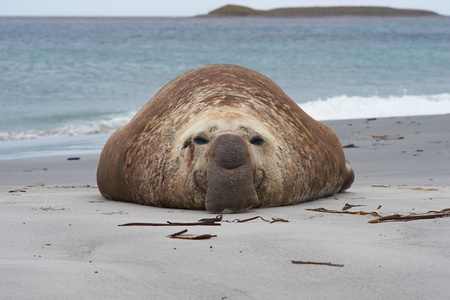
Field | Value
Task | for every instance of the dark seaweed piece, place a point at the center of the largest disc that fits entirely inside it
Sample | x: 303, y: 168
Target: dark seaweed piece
x: 350, y: 146
x: 430, y: 215
x: 178, y: 235
x: 205, y: 222
x: 299, y: 262
x: 257, y: 217
x: 17, y: 191
x: 344, y: 212
x: 278, y: 220
x: 387, y: 137
x: 195, y: 237
x: 246, y: 220
x: 419, y: 189
x: 171, y: 224
x: 348, y: 206
x: 217, y: 218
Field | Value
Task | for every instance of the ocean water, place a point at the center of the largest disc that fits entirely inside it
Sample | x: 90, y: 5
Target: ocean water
x: 67, y: 83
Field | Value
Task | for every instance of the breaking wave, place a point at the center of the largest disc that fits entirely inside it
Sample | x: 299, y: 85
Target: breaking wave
x: 335, y: 108
x: 105, y: 126
x: 344, y: 107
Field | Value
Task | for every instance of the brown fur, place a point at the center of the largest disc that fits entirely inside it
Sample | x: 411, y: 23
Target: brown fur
x: 152, y: 160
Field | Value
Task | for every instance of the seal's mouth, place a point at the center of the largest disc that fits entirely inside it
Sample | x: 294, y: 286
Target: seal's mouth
x: 230, y: 190
x: 200, y: 184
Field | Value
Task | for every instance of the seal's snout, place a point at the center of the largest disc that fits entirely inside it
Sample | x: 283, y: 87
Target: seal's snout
x: 230, y: 151
x: 230, y: 185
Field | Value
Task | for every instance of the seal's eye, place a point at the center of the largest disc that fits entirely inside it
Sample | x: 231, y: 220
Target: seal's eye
x: 199, y: 140
x: 257, y: 141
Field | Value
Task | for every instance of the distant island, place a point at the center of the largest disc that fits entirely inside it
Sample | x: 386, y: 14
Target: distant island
x: 236, y: 10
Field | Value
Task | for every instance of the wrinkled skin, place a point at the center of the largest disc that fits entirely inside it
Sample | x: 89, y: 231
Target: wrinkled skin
x: 222, y: 138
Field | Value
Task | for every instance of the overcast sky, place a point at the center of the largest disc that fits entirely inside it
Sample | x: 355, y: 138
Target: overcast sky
x: 185, y: 7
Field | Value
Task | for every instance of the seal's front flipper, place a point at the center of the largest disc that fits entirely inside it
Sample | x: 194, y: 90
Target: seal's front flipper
x: 349, y: 178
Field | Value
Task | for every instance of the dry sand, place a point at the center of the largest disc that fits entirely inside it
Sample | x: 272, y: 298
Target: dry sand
x: 61, y: 240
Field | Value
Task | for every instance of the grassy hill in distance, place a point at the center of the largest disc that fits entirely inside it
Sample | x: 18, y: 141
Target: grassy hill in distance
x: 236, y: 10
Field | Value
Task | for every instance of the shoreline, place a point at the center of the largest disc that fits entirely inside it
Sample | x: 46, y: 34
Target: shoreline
x: 371, y: 137
x: 62, y: 238
x: 82, y: 144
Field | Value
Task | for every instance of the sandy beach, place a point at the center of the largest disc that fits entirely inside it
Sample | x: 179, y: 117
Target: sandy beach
x: 61, y: 239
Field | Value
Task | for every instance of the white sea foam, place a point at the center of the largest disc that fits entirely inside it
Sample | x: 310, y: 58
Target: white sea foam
x: 343, y: 107
x: 104, y: 126
x: 336, y: 108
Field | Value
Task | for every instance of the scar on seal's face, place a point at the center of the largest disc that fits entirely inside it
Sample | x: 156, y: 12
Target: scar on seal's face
x: 222, y: 138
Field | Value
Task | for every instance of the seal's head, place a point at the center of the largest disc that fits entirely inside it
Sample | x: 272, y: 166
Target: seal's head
x: 222, y: 138
x: 228, y: 153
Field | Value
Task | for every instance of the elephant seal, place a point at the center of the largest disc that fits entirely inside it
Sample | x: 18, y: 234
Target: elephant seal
x: 222, y: 138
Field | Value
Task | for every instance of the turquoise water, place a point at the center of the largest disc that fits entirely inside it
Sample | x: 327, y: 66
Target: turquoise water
x: 86, y: 77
